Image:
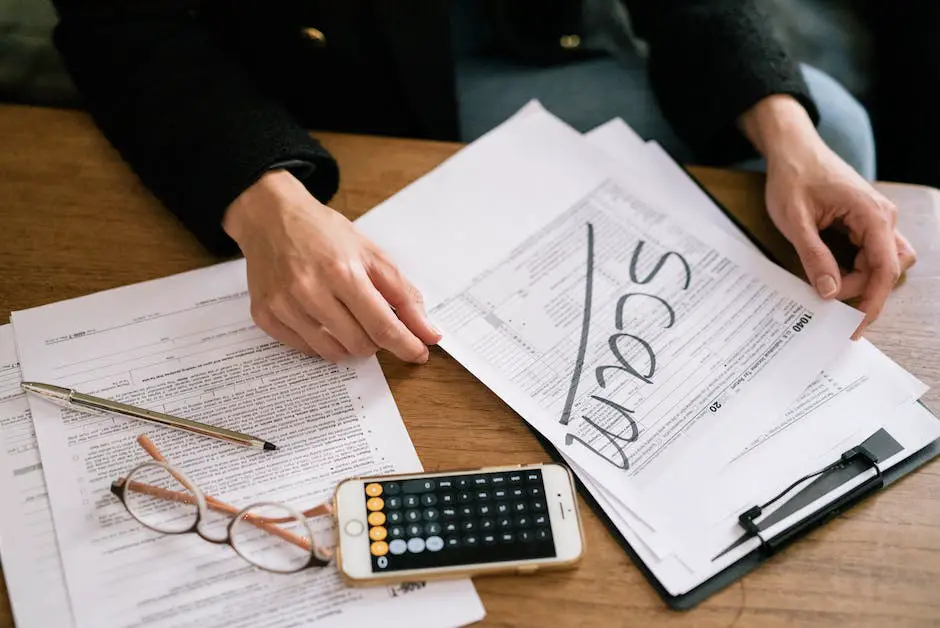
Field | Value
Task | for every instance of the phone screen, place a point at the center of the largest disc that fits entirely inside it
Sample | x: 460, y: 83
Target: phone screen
x: 459, y: 520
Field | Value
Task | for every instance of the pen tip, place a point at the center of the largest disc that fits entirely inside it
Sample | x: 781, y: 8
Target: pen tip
x: 269, y: 446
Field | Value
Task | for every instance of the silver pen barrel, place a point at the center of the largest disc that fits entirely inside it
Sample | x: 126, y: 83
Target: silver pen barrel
x: 159, y: 418
x: 74, y: 399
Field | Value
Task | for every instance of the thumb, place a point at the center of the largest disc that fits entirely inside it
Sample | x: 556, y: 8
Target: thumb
x: 820, y: 265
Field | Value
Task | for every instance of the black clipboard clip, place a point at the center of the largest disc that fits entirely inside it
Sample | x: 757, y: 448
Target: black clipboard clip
x: 771, y: 545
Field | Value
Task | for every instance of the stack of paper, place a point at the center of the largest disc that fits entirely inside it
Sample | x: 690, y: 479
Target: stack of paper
x: 186, y: 345
x: 593, y: 286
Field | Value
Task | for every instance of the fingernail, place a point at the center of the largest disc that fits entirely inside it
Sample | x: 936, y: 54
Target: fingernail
x: 826, y: 286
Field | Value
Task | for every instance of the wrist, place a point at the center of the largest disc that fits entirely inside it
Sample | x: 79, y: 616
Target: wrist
x: 781, y: 129
x: 254, y: 207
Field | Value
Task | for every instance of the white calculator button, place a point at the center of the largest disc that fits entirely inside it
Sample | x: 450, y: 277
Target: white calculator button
x: 434, y: 543
x: 397, y: 547
x: 416, y: 545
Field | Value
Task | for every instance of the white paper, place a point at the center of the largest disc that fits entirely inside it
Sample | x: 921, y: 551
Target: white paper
x: 669, y: 183
x: 846, y: 400
x: 844, y: 415
x: 852, y: 396
x: 911, y: 425
x: 847, y: 404
x: 186, y: 345
x: 510, y: 223
x: 28, y: 548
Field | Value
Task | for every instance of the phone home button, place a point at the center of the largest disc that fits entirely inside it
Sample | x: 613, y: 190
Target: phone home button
x: 354, y: 527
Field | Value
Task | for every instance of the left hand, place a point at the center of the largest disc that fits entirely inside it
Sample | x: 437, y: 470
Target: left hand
x: 810, y: 188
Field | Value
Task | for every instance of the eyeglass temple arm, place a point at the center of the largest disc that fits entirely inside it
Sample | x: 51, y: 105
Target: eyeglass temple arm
x: 255, y: 520
x: 265, y: 523
x: 325, y: 508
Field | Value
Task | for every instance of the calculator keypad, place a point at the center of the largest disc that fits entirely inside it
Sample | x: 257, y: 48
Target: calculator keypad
x: 446, y: 521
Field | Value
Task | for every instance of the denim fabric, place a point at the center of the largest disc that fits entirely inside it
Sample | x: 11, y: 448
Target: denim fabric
x: 591, y: 92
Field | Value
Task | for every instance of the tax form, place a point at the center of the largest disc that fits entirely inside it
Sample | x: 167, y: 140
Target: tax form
x: 911, y: 425
x: 860, y: 391
x: 664, y: 177
x: 186, y: 345
x: 846, y: 400
x: 28, y: 548
x: 637, y: 341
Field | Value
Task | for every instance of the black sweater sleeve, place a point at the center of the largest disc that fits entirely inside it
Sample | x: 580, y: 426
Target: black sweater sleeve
x: 184, y: 116
x: 710, y: 61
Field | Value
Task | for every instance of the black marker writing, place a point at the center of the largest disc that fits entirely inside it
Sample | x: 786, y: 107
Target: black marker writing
x: 618, y: 319
x: 624, y: 365
x: 618, y: 441
x: 585, y: 326
x: 658, y: 266
x: 613, y: 439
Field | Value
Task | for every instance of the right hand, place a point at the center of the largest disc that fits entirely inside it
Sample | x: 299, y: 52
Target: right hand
x: 316, y: 284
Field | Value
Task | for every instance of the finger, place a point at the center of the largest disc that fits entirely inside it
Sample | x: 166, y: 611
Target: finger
x: 853, y: 284
x: 322, y: 306
x: 407, y: 300
x: 379, y: 321
x: 820, y: 265
x: 270, y: 324
x: 311, y: 331
x: 882, y: 255
x: 907, y: 257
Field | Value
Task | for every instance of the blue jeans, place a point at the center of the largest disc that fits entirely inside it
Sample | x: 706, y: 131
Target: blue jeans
x: 589, y: 93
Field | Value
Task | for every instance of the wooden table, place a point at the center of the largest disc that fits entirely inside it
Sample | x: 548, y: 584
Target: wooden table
x: 74, y: 220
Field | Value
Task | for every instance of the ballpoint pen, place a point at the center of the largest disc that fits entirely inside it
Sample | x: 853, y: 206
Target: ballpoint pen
x: 81, y: 401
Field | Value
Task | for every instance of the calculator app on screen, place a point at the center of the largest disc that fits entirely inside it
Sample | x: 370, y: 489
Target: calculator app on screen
x: 450, y: 521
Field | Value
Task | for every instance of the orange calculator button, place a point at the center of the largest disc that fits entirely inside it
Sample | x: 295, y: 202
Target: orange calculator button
x: 378, y: 533
x: 374, y: 490
x: 375, y: 503
x: 379, y: 548
x: 376, y: 518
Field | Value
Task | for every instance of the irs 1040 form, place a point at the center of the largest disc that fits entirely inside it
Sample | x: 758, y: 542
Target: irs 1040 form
x: 28, y: 547
x: 637, y: 340
x: 185, y: 345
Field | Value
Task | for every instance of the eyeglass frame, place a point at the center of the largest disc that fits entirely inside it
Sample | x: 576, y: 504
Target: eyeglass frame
x: 206, y: 502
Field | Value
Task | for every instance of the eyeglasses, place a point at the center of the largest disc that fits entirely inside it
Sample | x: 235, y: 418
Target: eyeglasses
x: 271, y: 536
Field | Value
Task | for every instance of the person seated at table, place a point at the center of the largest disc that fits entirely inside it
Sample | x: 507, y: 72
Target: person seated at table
x: 210, y: 102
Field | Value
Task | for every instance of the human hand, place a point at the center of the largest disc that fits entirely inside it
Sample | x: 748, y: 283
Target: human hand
x: 316, y: 284
x: 809, y: 189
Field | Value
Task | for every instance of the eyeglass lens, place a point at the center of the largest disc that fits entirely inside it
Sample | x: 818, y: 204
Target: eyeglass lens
x: 272, y: 537
x: 268, y: 535
x: 159, y: 500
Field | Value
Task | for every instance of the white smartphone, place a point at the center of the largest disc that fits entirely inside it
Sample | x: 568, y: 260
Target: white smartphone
x: 426, y: 526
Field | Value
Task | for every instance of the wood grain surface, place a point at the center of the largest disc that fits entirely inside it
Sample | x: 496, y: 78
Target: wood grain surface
x: 75, y: 220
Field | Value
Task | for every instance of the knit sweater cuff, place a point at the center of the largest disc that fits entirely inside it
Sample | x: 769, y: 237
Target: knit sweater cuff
x: 203, y: 207
x: 728, y: 61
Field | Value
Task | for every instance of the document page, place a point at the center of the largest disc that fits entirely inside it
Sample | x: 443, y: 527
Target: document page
x: 670, y: 183
x: 28, y: 549
x: 631, y: 339
x: 186, y: 345
x: 850, y: 396
x: 910, y: 424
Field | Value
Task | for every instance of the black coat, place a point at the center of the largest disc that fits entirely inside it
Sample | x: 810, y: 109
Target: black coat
x: 201, y: 97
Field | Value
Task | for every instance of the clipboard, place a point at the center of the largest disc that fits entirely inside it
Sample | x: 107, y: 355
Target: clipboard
x: 859, y: 460
x: 851, y: 464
